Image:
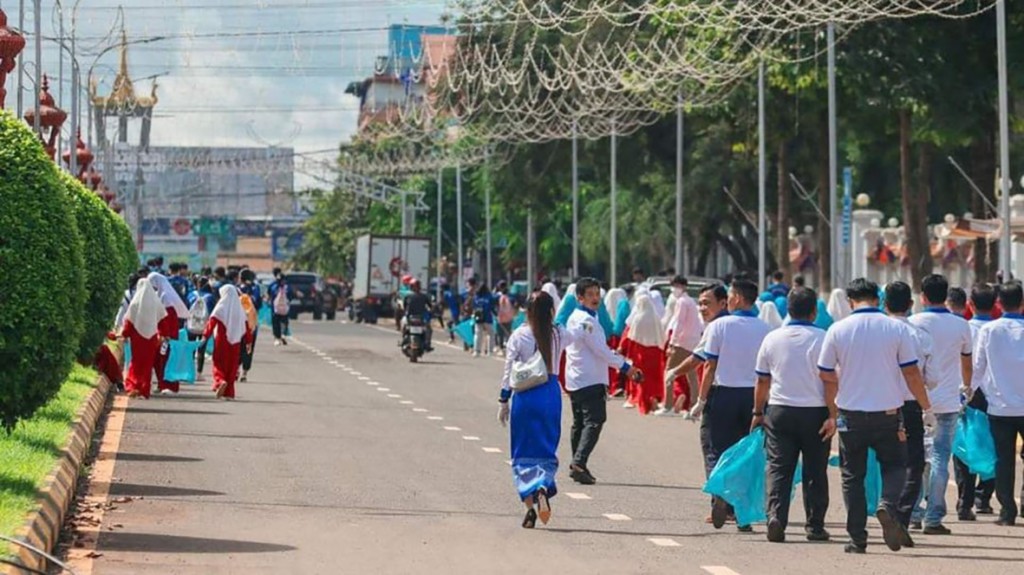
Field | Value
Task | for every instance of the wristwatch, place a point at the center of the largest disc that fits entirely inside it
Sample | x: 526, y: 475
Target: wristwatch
x: 757, y: 413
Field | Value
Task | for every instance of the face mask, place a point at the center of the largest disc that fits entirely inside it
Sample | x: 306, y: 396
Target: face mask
x: 678, y: 291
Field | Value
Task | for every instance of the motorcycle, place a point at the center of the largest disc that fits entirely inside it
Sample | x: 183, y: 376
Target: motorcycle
x: 414, y: 338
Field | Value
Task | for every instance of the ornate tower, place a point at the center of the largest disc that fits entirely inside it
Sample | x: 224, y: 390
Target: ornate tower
x: 122, y: 103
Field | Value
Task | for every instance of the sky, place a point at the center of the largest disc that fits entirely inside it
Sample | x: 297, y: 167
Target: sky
x: 231, y: 72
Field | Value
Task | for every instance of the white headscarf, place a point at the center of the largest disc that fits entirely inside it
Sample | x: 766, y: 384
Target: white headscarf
x: 770, y: 315
x: 669, y: 320
x: 550, y: 289
x: 644, y: 324
x: 230, y: 313
x: 838, y: 305
x: 145, y: 310
x: 659, y: 303
x: 168, y: 296
x: 612, y: 300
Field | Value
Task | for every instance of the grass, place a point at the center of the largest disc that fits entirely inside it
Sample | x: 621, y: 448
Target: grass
x: 29, y: 454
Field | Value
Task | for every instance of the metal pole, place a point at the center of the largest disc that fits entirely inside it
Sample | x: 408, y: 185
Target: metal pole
x: 530, y: 264
x: 762, y: 175
x: 1004, y: 143
x: 487, y: 212
x: 74, y: 96
x: 38, y: 14
x: 60, y: 75
x: 575, y: 204
x: 21, y: 62
x: 438, y: 251
x: 405, y: 217
x: 613, y: 271
x: 834, y: 277
x: 458, y: 219
x: 679, y: 184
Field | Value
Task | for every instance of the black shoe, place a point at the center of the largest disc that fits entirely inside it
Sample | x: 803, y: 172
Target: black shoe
x: 939, y: 529
x: 984, y: 509
x: 967, y: 516
x: 855, y: 548
x: 907, y: 540
x: 719, y: 512
x: 1006, y: 521
x: 744, y: 529
x: 892, y: 532
x: 776, y: 532
x: 818, y: 535
x: 530, y: 521
x: 581, y: 475
x: 619, y: 392
x: 916, y: 525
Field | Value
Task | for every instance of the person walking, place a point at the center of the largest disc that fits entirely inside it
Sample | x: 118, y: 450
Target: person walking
x: 228, y: 327
x: 876, y: 361
x: 949, y: 371
x: 800, y: 418
x: 280, y: 294
x: 535, y: 414
x: 201, y: 304
x: 169, y: 329
x: 506, y: 316
x: 483, y: 318
x: 686, y: 333
x: 642, y: 344
x: 142, y: 319
x: 999, y: 354
x: 587, y: 359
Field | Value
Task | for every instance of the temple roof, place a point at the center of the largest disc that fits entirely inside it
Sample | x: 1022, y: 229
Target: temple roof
x: 123, y: 93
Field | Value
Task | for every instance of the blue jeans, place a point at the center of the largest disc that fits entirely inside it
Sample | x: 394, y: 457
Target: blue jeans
x: 942, y: 450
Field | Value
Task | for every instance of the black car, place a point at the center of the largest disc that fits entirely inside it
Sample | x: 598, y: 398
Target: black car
x: 311, y: 295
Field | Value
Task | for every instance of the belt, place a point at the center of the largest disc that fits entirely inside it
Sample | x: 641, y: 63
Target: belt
x: 886, y: 412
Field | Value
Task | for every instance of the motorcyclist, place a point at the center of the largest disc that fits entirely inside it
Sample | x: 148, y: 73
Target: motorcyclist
x: 417, y: 304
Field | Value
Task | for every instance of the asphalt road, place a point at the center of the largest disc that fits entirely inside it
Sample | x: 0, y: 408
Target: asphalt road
x: 341, y: 457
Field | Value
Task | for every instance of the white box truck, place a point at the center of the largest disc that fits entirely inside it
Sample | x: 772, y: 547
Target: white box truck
x: 381, y: 263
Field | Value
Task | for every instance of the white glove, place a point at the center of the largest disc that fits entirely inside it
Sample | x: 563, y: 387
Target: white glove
x: 930, y: 419
x: 698, y: 409
x: 503, y: 414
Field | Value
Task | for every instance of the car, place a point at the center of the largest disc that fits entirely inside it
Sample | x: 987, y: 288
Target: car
x: 311, y: 296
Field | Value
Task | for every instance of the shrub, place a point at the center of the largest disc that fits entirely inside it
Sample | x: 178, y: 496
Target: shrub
x: 104, y: 265
x: 43, y: 292
x: 125, y: 247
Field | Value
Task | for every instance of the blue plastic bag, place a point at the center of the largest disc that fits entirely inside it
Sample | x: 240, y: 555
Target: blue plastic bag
x: 519, y: 320
x: 739, y: 478
x: 872, y: 480
x: 181, y: 365
x: 465, y: 330
x: 127, y: 352
x: 974, y: 445
x: 264, y: 316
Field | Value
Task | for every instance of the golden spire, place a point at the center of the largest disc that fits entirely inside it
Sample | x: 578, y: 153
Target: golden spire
x: 122, y: 93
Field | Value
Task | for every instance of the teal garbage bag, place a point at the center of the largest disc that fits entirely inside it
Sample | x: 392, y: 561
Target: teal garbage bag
x: 465, y: 331
x: 519, y: 320
x: 872, y: 480
x: 739, y: 478
x: 181, y: 364
x: 973, y: 443
x: 127, y: 352
x: 265, y: 316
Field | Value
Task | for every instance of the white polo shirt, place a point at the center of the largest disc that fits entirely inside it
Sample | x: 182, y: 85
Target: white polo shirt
x: 869, y: 350
x: 976, y: 323
x: 951, y: 340
x: 923, y: 348
x: 588, y: 357
x: 789, y: 355
x: 999, y: 353
x: 734, y: 341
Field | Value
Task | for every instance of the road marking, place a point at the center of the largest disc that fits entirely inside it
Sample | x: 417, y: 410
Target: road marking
x: 394, y: 396
x: 492, y: 450
x: 373, y: 383
x: 420, y: 410
x: 470, y: 438
x: 363, y: 378
x: 718, y: 570
x: 383, y: 389
x: 356, y: 373
x: 617, y: 517
x: 664, y: 542
x: 407, y: 402
x: 435, y: 417
x: 572, y: 495
x: 326, y: 358
x: 452, y: 428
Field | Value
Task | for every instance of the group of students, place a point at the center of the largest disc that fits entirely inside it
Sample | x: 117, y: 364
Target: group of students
x: 880, y: 376
x: 492, y: 314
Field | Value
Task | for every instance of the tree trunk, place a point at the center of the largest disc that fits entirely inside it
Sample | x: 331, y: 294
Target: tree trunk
x: 824, y: 194
x: 983, y: 173
x: 915, y: 224
x: 782, y: 228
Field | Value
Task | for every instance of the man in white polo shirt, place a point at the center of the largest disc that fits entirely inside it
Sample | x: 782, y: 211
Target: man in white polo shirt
x: 730, y: 348
x: 798, y: 421
x: 876, y: 363
x: 999, y: 353
x: 948, y: 371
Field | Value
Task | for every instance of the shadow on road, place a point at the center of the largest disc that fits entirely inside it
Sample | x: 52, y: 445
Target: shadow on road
x: 628, y: 533
x: 159, y: 543
x: 139, y: 490
x: 148, y: 457
x: 651, y: 486
x: 173, y: 411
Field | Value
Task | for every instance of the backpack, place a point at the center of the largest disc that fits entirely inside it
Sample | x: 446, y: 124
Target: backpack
x: 281, y: 305
x: 198, y: 315
x: 479, y: 313
x: 251, y: 318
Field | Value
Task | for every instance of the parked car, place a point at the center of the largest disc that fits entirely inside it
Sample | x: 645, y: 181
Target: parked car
x: 311, y: 296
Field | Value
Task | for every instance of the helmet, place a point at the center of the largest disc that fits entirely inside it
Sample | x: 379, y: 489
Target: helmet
x: 414, y: 283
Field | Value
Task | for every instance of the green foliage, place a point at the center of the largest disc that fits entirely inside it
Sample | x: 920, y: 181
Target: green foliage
x: 330, y: 234
x: 104, y: 265
x: 127, y: 254
x: 41, y: 263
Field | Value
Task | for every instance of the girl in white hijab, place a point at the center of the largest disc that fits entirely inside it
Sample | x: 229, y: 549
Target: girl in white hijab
x: 169, y: 328
x: 611, y: 302
x: 838, y: 305
x: 643, y: 345
x: 168, y: 296
x: 230, y: 332
x: 550, y: 289
x: 141, y: 327
x: 769, y: 314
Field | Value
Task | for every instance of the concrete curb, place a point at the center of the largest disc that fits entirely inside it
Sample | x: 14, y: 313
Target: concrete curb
x: 43, y: 526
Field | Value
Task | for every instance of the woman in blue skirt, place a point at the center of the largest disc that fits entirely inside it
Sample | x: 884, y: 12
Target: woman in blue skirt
x: 535, y: 414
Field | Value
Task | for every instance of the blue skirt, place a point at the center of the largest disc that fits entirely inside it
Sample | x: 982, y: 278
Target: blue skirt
x: 536, y: 422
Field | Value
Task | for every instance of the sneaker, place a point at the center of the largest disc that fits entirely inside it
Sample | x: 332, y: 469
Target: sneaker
x: 967, y: 515
x: 916, y: 525
x: 892, y: 531
x: 855, y: 548
x: 984, y: 509
x: 719, y: 513
x: 663, y: 412
x: 581, y: 475
x: 744, y: 529
x: 776, y: 532
x: 818, y: 535
x: 1006, y: 521
x: 277, y: 342
x: 627, y: 404
x: 165, y: 392
x: 939, y: 529
x: 619, y: 392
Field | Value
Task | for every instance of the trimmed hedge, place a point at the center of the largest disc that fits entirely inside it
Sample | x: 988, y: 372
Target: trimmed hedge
x: 42, y: 266
x: 104, y: 265
x: 125, y: 247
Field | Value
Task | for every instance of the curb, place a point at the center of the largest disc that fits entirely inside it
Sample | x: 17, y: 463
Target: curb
x: 43, y: 527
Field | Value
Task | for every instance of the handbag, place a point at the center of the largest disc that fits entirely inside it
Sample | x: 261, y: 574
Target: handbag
x: 529, y: 374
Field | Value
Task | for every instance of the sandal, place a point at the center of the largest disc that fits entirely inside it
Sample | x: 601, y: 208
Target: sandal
x: 543, y: 505
x: 530, y: 521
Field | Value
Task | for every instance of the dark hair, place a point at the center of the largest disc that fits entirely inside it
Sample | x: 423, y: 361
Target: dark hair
x: 680, y: 281
x: 220, y: 271
x: 204, y: 283
x: 898, y: 297
x: 957, y: 297
x: 638, y: 271
x: 983, y: 296
x: 540, y: 316
x: 862, y: 290
x: 935, y: 288
x: 276, y: 272
x: 801, y: 303
x: 746, y: 290
x: 133, y: 280
x: 799, y: 281
x: 1010, y: 295
x: 717, y: 290
x: 778, y: 276
x: 174, y: 268
x: 584, y: 284
x: 483, y: 291
x: 247, y: 275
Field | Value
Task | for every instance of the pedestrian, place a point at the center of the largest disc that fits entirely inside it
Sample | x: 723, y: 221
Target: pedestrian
x: 252, y: 301
x: 535, y: 414
x: 956, y: 302
x: 141, y: 328
x: 506, y: 315
x: 587, y: 359
x: 552, y: 290
x: 800, y: 418
x: 726, y: 394
x: 997, y: 354
x: 201, y: 304
x: 948, y: 371
x: 280, y: 294
x: 170, y: 328
x: 483, y: 322
x: 643, y: 344
x: 681, y: 386
x: 778, y: 287
x: 898, y: 301
x: 227, y: 327
x: 838, y: 305
x: 974, y: 495
x: 873, y: 360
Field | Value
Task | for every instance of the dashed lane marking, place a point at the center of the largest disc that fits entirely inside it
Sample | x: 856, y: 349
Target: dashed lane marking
x: 718, y: 570
x: 383, y: 389
x: 470, y: 438
x: 452, y: 428
x: 394, y: 396
x: 407, y: 402
x: 581, y: 496
x: 617, y: 517
x: 356, y: 373
x: 372, y: 383
x: 363, y: 378
x: 435, y: 418
x: 492, y: 450
x: 420, y: 410
x: 664, y: 542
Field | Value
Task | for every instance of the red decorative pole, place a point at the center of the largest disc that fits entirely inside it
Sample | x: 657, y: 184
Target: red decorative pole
x: 84, y: 158
x: 50, y: 116
x: 11, y: 44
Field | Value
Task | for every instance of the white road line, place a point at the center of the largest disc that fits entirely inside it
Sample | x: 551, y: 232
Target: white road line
x: 492, y: 450
x: 373, y: 383
x: 420, y: 410
x: 664, y: 542
x: 356, y: 373
x: 452, y: 428
x: 363, y: 378
x: 383, y: 389
x: 617, y: 517
x: 328, y: 358
x: 572, y: 495
x: 407, y: 402
x: 394, y: 396
x: 435, y: 418
x: 718, y: 570
x: 470, y: 438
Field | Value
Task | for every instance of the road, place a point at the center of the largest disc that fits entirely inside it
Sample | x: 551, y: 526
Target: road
x: 341, y: 457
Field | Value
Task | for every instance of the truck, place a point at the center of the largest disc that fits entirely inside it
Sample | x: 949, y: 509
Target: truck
x: 381, y: 263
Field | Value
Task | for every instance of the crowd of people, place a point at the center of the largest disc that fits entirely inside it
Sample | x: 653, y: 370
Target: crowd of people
x: 863, y: 366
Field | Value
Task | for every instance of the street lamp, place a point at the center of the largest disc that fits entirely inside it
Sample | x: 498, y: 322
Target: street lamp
x: 11, y: 44
x: 48, y: 117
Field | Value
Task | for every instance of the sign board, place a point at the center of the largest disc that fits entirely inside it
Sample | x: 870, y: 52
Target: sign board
x: 847, y: 205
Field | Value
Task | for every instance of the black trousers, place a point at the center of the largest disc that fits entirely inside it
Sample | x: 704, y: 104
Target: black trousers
x: 201, y: 352
x: 278, y: 323
x: 245, y: 358
x: 913, y: 424
x: 589, y: 412
x: 970, y: 491
x: 1005, y: 431
x: 726, y: 420
x: 789, y: 433
x: 881, y: 432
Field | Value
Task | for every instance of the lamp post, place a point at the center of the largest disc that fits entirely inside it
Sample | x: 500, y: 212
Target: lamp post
x: 11, y: 44
x: 47, y: 116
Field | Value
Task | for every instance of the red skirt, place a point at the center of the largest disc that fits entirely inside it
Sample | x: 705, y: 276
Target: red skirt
x: 650, y: 360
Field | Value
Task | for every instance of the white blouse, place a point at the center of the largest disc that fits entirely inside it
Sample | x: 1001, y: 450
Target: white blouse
x: 521, y: 346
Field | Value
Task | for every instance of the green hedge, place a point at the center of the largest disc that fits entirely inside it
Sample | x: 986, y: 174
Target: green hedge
x: 104, y: 266
x: 125, y: 247
x: 42, y: 269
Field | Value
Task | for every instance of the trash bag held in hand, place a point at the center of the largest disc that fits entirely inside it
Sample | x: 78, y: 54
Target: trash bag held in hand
x: 739, y: 478
x: 181, y: 365
x: 465, y: 331
x: 973, y: 443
